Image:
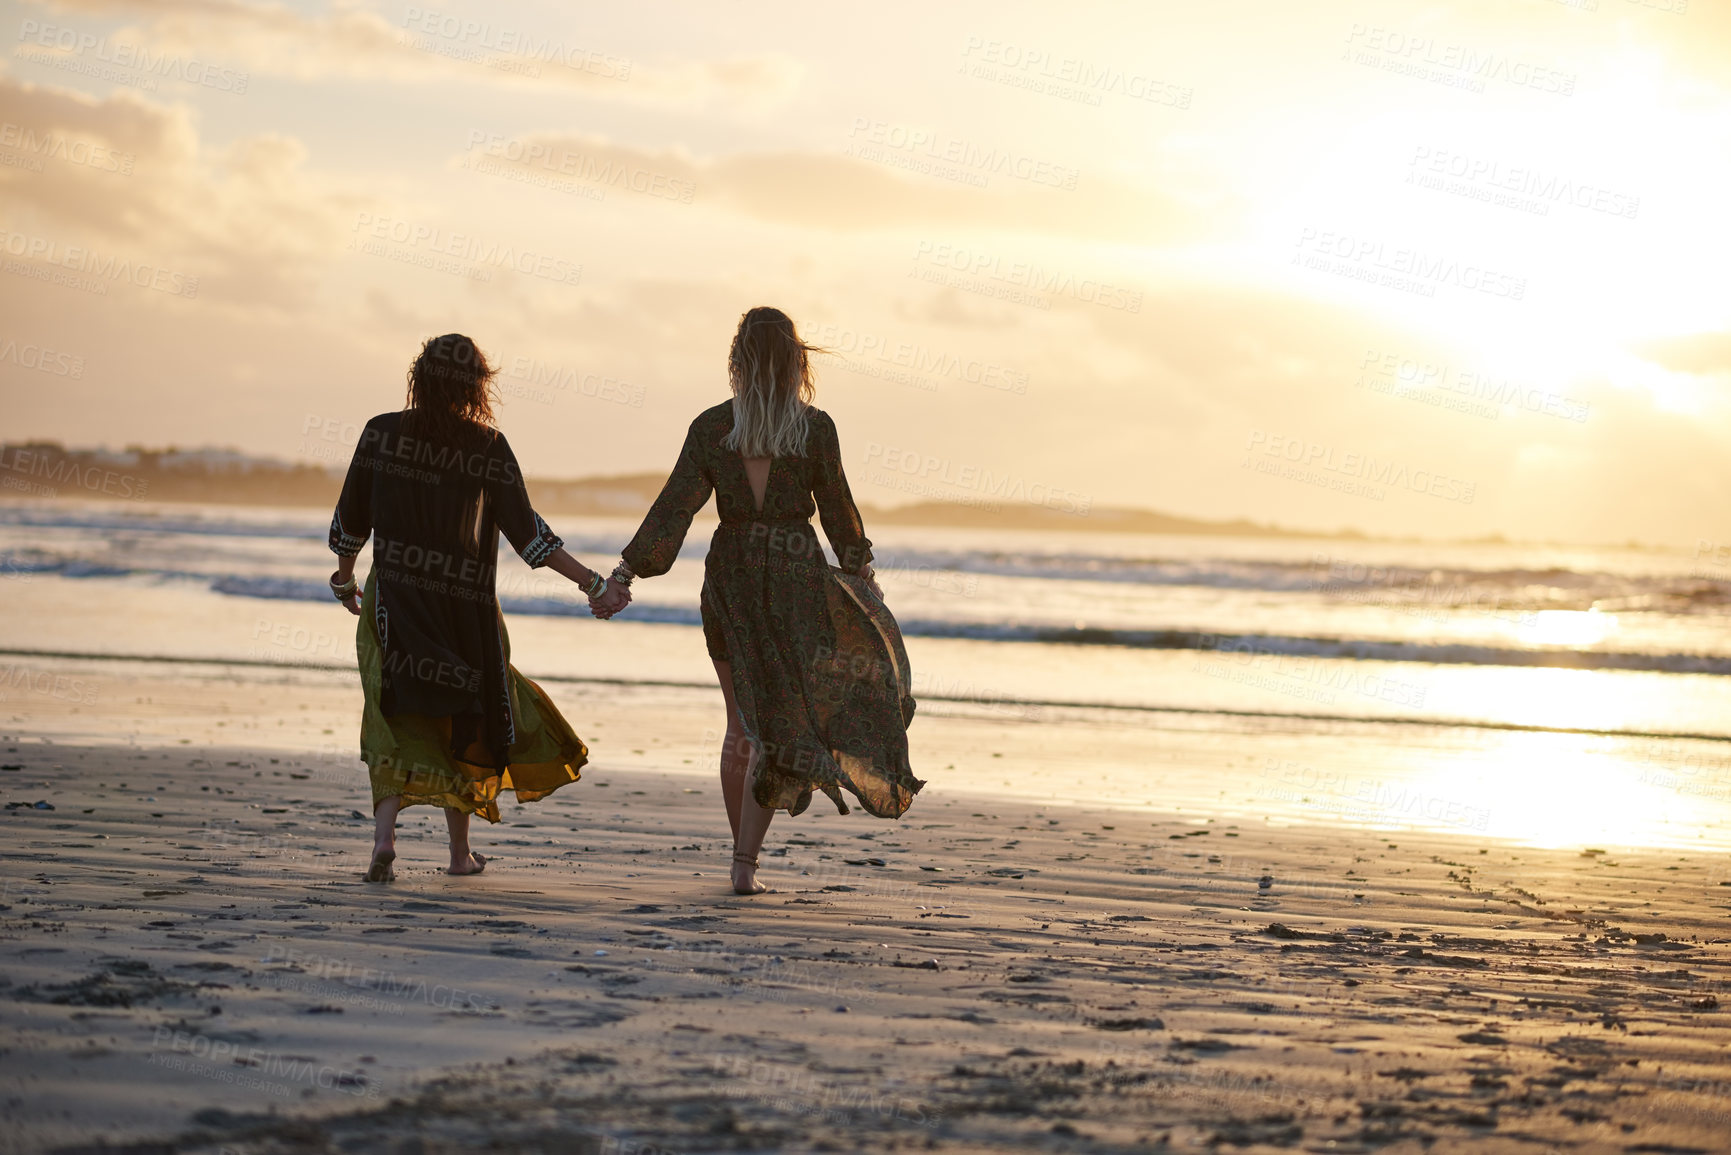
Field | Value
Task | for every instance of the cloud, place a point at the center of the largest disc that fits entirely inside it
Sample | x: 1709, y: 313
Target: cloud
x: 124, y: 175
x: 847, y: 193
x: 429, y: 47
x: 1701, y: 354
x: 91, y: 153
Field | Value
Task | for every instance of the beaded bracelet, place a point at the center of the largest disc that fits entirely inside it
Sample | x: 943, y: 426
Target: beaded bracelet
x: 622, y: 574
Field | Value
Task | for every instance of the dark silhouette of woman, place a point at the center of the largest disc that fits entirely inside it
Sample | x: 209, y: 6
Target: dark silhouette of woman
x: 811, y: 664
x: 448, y: 721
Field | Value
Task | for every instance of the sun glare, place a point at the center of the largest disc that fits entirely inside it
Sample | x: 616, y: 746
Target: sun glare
x: 1574, y: 628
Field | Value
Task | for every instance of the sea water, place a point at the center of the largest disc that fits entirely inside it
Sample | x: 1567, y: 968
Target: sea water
x: 1564, y: 669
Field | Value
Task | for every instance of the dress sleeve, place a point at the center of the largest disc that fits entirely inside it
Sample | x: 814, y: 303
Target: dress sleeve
x: 534, y: 542
x: 352, y: 522
x: 835, y: 506
x: 656, y: 545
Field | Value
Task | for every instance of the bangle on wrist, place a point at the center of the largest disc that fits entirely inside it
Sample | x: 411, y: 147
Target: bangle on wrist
x: 595, y: 586
x: 343, y: 590
x: 622, y: 574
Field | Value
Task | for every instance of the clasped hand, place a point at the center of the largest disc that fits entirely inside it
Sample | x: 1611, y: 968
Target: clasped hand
x: 613, y: 599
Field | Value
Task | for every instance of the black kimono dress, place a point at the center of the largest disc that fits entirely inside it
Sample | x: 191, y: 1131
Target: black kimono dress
x: 448, y: 721
x: 819, y: 671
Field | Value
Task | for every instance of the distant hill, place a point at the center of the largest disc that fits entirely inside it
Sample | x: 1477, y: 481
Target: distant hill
x: 221, y: 476
x: 47, y: 469
x: 1099, y: 520
x: 628, y: 495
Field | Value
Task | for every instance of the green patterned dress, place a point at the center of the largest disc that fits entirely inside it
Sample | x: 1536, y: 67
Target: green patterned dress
x: 819, y: 670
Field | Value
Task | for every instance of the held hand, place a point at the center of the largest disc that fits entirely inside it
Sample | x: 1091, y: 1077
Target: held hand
x: 615, y: 598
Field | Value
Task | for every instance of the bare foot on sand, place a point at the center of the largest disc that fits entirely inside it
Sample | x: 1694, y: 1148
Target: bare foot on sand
x: 467, y: 863
x: 380, y: 870
x: 745, y: 875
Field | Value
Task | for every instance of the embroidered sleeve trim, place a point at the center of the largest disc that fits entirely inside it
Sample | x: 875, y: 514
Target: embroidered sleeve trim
x: 343, y: 543
x: 546, y: 542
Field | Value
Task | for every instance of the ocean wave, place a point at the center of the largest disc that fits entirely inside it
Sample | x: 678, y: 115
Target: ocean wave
x: 1248, y: 648
x: 1234, y: 647
x: 1511, y: 588
x: 1228, y: 646
x: 1328, y: 577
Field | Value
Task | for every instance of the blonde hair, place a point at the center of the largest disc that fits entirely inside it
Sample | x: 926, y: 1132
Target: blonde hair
x: 769, y: 368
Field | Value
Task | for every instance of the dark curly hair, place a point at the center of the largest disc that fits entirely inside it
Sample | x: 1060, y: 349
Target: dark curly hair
x: 450, y: 391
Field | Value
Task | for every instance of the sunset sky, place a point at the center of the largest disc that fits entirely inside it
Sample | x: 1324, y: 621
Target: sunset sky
x: 1324, y: 264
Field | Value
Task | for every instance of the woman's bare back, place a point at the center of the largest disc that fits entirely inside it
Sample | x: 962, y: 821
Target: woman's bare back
x: 757, y: 473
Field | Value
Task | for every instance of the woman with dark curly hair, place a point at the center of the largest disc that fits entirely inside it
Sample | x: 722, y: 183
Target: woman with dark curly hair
x: 813, y: 673
x: 448, y: 721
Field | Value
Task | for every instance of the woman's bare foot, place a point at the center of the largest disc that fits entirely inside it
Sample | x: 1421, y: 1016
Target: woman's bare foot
x: 467, y: 863
x: 380, y: 870
x: 384, y: 839
x: 745, y: 875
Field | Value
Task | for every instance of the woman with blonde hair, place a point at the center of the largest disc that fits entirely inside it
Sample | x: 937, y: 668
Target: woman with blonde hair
x: 447, y: 720
x: 812, y: 668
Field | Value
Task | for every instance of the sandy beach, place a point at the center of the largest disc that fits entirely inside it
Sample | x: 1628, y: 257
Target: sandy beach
x: 191, y: 962
x: 1290, y: 440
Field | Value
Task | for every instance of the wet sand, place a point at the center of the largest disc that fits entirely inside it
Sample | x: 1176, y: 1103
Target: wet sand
x: 191, y: 963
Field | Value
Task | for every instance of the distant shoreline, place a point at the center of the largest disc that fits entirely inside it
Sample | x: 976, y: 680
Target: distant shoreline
x: 45, y: 469
x: 221, y: 477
